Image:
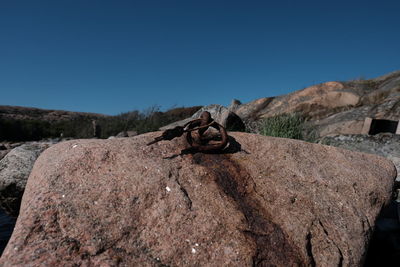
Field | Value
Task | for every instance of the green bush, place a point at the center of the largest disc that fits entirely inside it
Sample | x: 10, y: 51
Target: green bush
x: 292, y: 126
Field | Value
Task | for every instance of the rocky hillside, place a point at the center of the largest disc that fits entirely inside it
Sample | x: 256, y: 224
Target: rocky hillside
x: 334, y: 107
x: 264, y: 201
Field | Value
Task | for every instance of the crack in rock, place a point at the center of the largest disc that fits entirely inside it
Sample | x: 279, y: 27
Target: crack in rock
x: 317, y: 237
x: 309, y: 249
x: 271, y: 242
x: 185, y: 194
x: 334, y: 243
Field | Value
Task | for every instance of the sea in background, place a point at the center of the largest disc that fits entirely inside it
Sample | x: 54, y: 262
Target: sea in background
x: 7, y: 224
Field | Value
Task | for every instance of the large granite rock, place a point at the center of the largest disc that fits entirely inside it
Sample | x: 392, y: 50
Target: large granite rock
x: 264, y: 202
x: 219, y: 113
x: 15, y: 168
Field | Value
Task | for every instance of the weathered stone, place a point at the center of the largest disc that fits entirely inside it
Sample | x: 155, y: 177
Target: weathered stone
x: 131, y: 133
x: 253, y: 110
x: 384, y: 144
x: 126, y: 134
x: 15, y: 168
x: 266, y: 201
x: 220, y: 114
x: 121, y: 134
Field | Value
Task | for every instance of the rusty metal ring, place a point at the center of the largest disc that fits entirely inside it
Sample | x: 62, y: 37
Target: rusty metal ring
x: 209, y: 147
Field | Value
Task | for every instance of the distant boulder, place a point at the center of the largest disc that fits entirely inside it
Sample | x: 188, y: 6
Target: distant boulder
x: 126, y: 134
x: 220, y: 114
x: 15, y: 168
x: 122, y: 134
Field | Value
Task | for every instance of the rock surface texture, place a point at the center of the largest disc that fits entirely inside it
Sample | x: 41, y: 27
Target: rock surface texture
x: 384, y: 144
x: 265, y: 202
x: 15, y: 168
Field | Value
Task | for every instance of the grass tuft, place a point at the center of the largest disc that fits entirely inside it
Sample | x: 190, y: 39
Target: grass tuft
x: 292, y: 126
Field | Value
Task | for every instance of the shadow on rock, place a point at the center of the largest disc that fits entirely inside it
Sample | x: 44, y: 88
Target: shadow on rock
x: 272, y: 243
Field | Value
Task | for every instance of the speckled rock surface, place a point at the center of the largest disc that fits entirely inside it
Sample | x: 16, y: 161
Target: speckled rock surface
x: 384, y: 144
x: 266, y: 201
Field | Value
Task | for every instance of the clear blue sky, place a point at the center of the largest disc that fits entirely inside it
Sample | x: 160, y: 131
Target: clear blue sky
x: 115, y: 56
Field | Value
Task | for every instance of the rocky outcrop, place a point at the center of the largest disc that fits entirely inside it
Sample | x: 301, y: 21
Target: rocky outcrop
x: 334, y: 107
x: 219, y: 113
x: 314, y: 101
x: 253, y: 110
x: 15, y: 168
x: 265, y: 201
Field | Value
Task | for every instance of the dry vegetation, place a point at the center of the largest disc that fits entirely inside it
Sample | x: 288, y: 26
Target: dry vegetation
x: 28, y: 128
